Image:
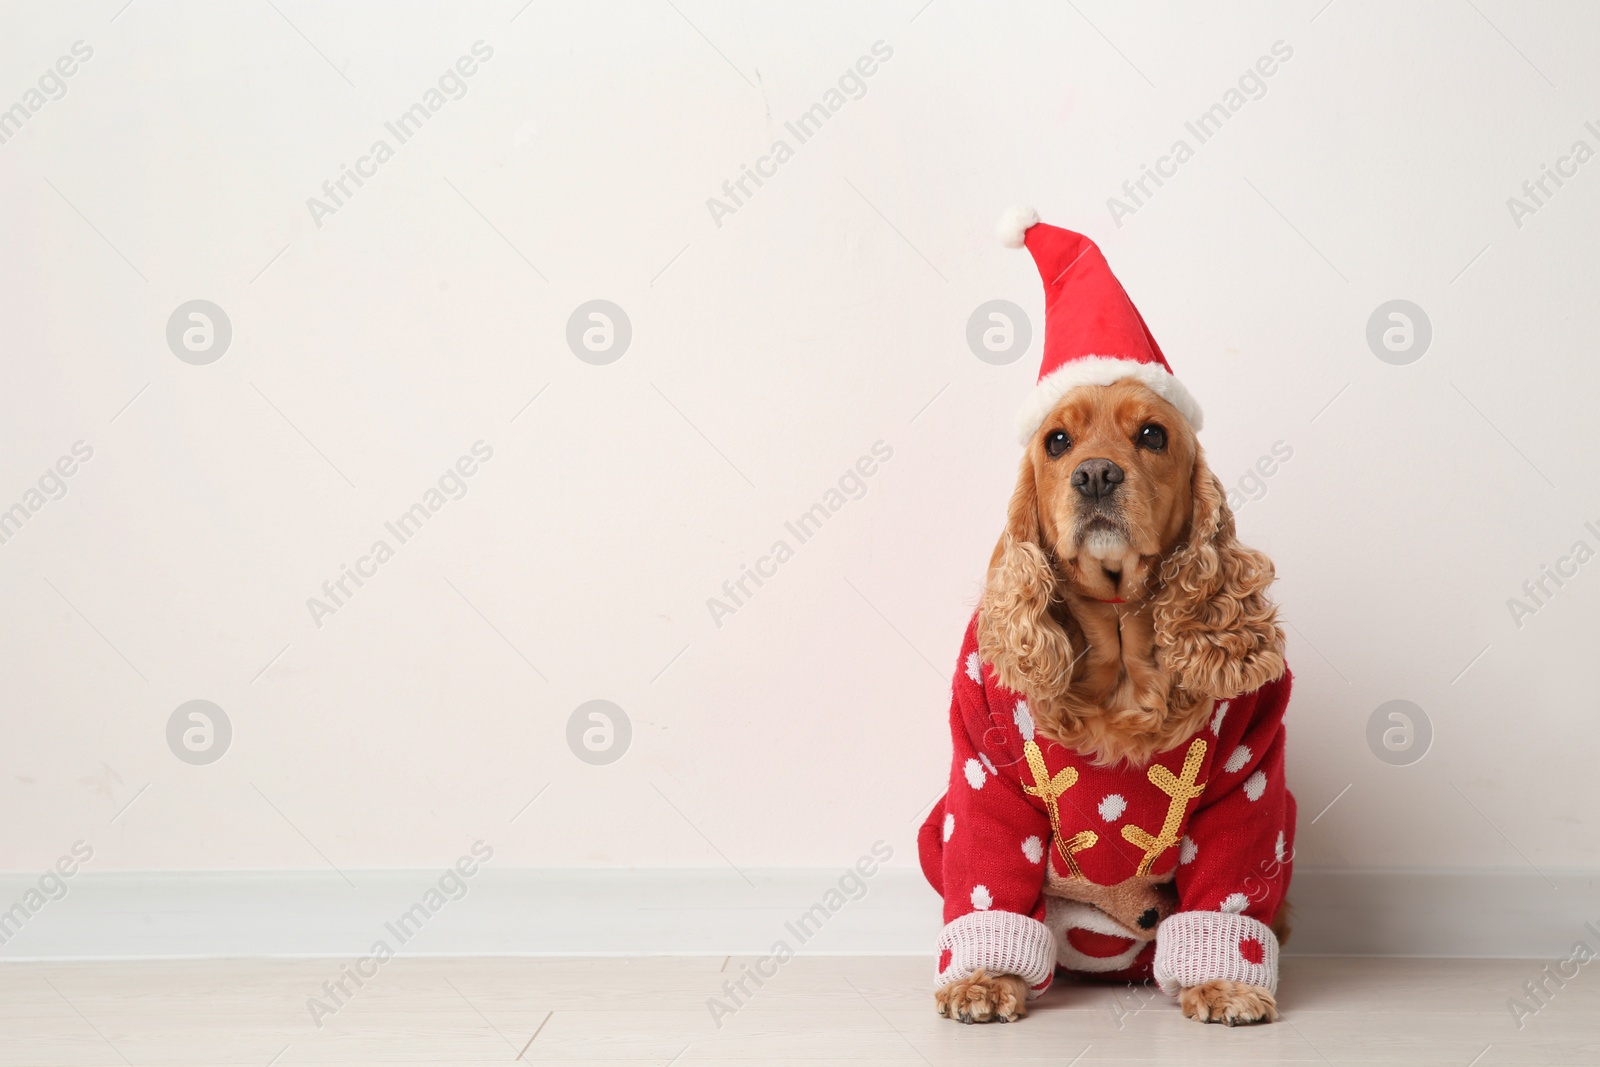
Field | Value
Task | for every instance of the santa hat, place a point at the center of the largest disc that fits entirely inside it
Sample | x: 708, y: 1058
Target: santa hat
x: 1093, y: 335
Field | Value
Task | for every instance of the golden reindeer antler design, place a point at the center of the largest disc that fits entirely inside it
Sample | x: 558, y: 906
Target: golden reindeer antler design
x: 1049, y: 789
x: 1181, y: 790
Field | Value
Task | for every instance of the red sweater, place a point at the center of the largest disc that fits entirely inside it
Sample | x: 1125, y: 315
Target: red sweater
x: 1171, y: 870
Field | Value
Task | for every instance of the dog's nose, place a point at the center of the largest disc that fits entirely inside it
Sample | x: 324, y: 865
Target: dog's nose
x: 1096, y: 478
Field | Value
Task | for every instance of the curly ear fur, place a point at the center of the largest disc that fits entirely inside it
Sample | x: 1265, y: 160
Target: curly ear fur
x: 1028, y: 649
x: 1215, y: 630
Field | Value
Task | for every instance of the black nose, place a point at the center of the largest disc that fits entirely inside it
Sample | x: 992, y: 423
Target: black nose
x: 1149, y: 918
x: 1096, y: 478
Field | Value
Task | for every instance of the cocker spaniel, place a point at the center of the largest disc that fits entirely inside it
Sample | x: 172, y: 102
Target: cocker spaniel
x: 1117, y: 807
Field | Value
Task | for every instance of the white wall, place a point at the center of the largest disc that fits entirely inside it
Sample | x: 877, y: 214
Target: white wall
x: 768, y: 354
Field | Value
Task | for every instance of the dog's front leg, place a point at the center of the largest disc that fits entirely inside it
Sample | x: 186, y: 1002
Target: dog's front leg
x: 983, y: 998
x: 1230, y: 1003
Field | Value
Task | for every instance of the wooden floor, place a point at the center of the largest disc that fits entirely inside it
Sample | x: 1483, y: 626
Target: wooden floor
x: 875, y: 1010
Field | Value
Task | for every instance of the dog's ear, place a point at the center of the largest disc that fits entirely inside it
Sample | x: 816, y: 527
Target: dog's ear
x: 1028, y: 649
x: 1216, y: 632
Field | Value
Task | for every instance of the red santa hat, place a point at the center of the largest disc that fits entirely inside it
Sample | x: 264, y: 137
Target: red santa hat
x: 1093, y: 335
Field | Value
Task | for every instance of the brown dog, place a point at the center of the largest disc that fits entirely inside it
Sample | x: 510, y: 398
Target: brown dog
x: 1120, y: 602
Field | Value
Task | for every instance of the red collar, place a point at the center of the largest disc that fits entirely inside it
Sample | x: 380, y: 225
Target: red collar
x: 1119, y: 600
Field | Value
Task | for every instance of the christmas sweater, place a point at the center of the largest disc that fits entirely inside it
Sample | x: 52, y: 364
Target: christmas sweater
x: 1172, y: 870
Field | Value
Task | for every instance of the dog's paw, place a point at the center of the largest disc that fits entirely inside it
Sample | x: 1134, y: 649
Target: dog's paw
x: 983, y: 998
x: 1231, y: 1003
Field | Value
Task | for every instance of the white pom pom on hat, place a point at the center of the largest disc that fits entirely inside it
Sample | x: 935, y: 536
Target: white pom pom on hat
x: 1014, y: 224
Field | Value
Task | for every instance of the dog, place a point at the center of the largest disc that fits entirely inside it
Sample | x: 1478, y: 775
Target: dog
x: 1117, y: 806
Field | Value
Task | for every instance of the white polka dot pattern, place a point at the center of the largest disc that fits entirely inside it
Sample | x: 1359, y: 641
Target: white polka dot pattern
x: 975, y: 773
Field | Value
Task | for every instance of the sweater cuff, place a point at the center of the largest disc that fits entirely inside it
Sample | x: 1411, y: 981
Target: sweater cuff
x: 1000, y: 942
x: 1201, y: 946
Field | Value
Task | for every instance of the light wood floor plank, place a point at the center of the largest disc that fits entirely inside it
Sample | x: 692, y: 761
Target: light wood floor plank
x: 814, y: 1010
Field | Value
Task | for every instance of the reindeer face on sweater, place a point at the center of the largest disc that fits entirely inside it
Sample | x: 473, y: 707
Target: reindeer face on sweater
x: 1102, y: 928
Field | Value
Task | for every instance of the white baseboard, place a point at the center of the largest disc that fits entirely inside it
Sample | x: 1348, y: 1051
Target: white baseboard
x: 520, y: 912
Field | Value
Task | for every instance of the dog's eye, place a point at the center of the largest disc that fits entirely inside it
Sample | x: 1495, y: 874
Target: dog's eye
x: 1057, y: 443
x: 1152, y: 437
